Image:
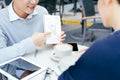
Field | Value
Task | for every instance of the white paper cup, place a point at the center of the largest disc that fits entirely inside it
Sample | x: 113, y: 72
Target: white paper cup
x: 62, y: 50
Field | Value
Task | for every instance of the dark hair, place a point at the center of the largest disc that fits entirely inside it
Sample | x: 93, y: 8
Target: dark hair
x: 118, y: 1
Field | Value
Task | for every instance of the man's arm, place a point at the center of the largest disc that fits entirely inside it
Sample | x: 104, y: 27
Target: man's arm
x: 15, y: 50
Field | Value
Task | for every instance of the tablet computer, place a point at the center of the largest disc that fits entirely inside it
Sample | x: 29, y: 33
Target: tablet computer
x: 32, y: 76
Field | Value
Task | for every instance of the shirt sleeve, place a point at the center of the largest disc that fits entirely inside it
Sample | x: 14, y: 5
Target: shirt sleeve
x: 15, y: 50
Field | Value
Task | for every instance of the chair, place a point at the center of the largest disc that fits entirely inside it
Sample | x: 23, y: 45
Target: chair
x: 61, y: 7
x: 75, y: 6
x: 75, y: 10
x: 89, y: 13
x: 50, y: 5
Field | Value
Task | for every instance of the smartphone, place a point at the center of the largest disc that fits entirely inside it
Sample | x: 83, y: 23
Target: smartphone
x: 75, y: 46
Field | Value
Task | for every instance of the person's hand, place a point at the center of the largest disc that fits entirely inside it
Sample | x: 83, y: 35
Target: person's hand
x: 39, y: 38
x: 63, y: 36
x: 83, y: 49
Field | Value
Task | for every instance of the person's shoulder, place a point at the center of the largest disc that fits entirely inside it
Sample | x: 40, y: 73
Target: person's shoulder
x: 102, y: 42
x: 108, y: 42
x: 100, y: 45
x: 112, y: 38
x: 41, y: 9
x: 116, y: 33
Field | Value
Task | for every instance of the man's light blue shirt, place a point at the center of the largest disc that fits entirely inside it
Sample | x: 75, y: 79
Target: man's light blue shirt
x: 15, y: 32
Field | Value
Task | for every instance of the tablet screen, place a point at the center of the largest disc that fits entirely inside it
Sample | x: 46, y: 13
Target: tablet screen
x: 3, y: 77
x: 19, y: 68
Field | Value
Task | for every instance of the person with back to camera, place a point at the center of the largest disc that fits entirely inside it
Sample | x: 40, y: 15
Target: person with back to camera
x: 21, y: 30
x: 102, y: 60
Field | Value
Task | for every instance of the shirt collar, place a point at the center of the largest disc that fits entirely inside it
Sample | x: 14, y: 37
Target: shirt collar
x: 13, y: 16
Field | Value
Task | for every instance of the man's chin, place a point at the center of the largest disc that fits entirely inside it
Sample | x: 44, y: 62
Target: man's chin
x: 29, y: 12
x: 106, y: 25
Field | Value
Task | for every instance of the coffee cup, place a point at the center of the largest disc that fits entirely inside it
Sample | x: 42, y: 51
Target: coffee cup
x: 62, y: 50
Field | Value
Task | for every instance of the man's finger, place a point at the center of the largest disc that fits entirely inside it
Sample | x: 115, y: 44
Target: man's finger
x: 62, y: 33
x: 47, y: 33
x: 63, y: 36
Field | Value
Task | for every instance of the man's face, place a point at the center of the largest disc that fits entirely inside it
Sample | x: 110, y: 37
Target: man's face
x: 25, y: 6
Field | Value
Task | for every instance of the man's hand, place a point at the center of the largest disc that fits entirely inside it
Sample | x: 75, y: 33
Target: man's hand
x: 39, y: 38
x: 63, y: 36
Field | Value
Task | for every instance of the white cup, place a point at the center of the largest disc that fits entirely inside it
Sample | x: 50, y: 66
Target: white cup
x: 62, y: 50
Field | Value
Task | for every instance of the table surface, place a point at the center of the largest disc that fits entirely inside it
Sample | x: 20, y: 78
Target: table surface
x: 43, y: 58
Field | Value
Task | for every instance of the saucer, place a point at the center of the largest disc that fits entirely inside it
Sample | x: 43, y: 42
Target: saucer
x: 54, y: 58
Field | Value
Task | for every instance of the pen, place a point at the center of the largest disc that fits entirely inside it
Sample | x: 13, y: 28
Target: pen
x: 36, y: 51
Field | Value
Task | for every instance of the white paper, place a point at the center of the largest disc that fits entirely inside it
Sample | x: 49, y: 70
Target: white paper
x: 52, y: 24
